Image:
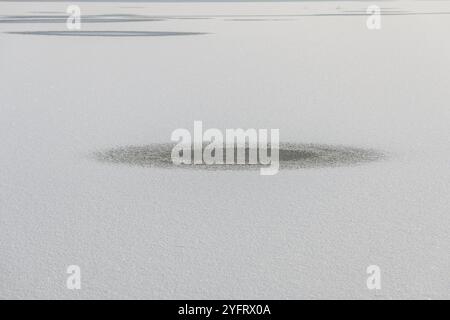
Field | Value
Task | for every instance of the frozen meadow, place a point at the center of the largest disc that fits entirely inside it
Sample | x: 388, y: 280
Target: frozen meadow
x: 135, y: 72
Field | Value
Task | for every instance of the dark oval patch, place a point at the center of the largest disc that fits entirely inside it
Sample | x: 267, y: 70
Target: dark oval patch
x: 291, y: 156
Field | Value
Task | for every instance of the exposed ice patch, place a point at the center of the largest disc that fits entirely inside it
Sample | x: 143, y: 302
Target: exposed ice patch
x: 292, y: 156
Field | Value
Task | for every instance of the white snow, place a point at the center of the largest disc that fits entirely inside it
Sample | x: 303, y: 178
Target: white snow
x: 160, y: 233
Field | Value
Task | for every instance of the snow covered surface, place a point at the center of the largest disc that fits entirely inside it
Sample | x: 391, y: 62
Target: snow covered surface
x: 311, y: 69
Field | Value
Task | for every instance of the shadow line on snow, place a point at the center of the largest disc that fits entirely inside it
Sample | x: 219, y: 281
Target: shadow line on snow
x: 107, y: 33
x: 102, y: 18
x: 109, y: 18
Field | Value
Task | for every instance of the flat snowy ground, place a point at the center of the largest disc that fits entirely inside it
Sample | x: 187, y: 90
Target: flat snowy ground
x: 313, y: 70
